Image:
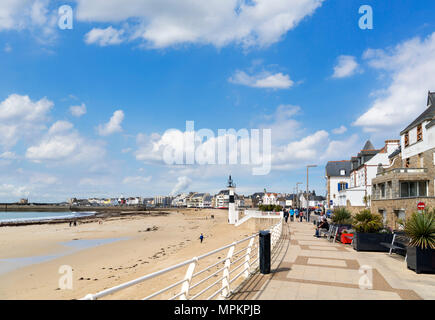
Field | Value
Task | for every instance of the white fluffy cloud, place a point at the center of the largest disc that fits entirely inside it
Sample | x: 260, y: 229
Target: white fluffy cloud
x: 262, y: 80
x: 9, y: 190
x: 104, y: 37
x: 164, y: 23
x: 8, y: 155
x: 411, y: 67
x: 340, y: 130
x: 78, y: 111
x: 20, y: 117
x: 137, y: 180
x: 296, y: 153
x: 32, y: 15
x: 63, y: 144
x: 346, y: 67
x: 114, y: 124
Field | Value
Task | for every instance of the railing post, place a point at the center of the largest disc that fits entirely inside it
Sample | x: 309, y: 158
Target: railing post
x: 248, y: 258
x: 187, y: 279
x: 226, y: 273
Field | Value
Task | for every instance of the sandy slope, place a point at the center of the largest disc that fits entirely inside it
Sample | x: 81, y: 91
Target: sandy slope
x: 97, y: 268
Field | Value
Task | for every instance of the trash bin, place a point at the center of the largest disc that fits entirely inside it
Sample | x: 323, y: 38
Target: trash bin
x: 264, y: 239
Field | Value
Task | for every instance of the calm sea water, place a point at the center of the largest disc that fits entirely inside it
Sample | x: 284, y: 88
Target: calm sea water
x: 32, y: 216
x: 69, y: 247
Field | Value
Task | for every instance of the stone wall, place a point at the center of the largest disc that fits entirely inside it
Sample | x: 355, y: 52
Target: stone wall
x: 408, y: 205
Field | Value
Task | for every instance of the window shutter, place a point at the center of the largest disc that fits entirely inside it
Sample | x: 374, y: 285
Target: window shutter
x: 339, y: 187
x: 347, y: 185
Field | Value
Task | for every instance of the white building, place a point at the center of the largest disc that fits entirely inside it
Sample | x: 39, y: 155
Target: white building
x: 221, y: 200
x: 337, y: 179
x: 180, y: 200
x: 270, y: 198
x: 363, y: 169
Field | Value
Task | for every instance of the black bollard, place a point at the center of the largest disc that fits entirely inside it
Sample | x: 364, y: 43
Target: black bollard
x: 264, y: 252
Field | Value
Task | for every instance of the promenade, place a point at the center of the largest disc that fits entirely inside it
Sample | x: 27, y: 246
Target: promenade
x: 309, y: 268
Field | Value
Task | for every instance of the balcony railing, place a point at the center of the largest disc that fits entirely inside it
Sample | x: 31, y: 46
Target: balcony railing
x: 404, y: 170
x: 245, y: 260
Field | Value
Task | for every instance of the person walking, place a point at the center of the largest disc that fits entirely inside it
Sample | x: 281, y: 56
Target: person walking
x: 301, y: 215
x: 292, y: 214
x: 286, y: 215
x: 201, y: 237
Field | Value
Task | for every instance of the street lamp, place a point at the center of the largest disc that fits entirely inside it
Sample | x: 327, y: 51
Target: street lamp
x: 297, y: 192
x: 308, y: 197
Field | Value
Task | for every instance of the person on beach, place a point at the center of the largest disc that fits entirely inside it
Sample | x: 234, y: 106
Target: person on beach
x: 201, y: 237
x: 75, y: 223
x: 70, y: 223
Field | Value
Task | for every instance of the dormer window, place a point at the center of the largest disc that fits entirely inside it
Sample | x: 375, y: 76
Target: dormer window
x: 419, y: 133
x: 342, y: 172
x: 406, y: 139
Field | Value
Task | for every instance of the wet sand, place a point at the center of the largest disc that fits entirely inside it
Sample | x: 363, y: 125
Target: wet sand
x: 144, y: 244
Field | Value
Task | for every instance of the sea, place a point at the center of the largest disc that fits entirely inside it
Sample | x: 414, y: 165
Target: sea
x: 25, y: 216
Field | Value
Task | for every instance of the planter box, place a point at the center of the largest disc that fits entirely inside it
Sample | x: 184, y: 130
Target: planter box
x: 420, y: 260
x: 371, y: 241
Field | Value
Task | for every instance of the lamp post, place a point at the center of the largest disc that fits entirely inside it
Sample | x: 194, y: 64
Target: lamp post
x: 308, y: 197
x: 297, y: 192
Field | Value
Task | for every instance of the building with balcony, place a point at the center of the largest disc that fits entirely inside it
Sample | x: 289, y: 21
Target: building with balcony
x: 364, y: 168
x: 410, y: 177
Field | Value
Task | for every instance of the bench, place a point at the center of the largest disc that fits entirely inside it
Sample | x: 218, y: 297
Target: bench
x: 330, y: 233
x: 398, y: 244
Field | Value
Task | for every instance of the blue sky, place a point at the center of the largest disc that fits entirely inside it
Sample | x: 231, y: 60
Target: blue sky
x: 137, y: 68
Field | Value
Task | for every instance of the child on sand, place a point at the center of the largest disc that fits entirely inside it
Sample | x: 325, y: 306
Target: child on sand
x: 201, y: 237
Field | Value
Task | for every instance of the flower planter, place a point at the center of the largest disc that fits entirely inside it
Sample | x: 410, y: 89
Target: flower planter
x: 371, y: 241
x: 420, y: 260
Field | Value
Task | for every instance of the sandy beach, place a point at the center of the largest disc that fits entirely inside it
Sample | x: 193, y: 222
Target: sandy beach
x: 140, y: 244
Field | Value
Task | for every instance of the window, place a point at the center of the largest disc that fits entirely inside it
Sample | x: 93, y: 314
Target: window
x: 407, y: 163
x: 419, y: 133
x: 342, y: 186
x: 406, y: 139
x: 342, y: 172
x: 413, y: 189
x: 422, y: 188
x: 382, y: 190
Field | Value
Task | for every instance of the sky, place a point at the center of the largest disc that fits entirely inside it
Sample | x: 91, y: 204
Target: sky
x: 89, y: 105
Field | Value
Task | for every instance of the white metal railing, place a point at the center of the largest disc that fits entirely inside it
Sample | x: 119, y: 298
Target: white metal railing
x: 244, y: 261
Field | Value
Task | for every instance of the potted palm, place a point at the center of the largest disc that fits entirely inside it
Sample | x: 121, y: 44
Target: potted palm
x: 420, y: 228
x: 370, y: 232
x: 342, y: 218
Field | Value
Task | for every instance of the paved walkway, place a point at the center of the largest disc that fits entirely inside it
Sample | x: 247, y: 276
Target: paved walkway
x: 305, y: 267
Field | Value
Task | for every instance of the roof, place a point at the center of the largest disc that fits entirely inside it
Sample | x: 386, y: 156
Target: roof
x: 428, y: 114
x: 395, y: 153
x: 333, y: 168
x: 368, y: 146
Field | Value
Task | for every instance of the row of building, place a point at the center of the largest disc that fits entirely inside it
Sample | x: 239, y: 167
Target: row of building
x: 392, y: 180
x: 205, y: 200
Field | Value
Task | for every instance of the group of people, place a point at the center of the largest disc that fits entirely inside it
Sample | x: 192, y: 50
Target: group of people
x: 293, y: 214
